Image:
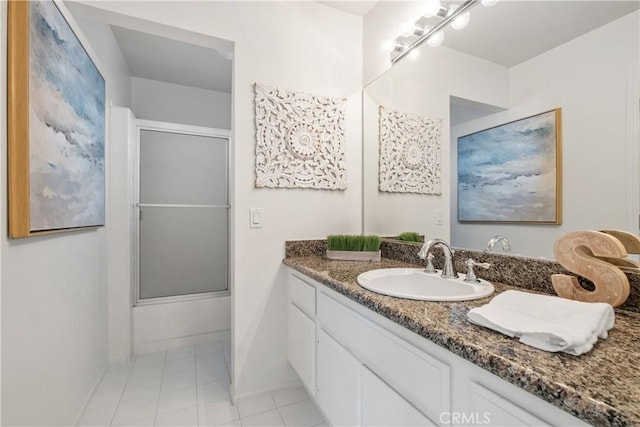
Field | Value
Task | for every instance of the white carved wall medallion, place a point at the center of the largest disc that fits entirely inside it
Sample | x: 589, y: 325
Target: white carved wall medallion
x: 409, y: 152
x: 300, y: 140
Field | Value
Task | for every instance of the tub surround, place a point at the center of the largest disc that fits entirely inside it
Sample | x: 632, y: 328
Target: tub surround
x: 601, y: 387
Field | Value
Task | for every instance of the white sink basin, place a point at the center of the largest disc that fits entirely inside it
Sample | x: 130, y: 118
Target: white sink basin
x: 414, y: 283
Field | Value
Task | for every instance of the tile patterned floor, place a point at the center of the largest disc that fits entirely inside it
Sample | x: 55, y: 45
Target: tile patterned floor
x: 189, y: 387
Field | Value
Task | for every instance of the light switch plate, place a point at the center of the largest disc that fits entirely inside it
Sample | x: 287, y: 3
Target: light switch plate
x: 255, y: 217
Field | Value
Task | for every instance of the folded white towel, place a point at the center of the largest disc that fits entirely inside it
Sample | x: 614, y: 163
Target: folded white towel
x: 546, y: 322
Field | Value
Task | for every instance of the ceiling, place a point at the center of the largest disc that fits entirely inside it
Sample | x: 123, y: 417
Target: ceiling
x: 157, y: 58
x: 359, y: 8
x: 514, y: 31
x: 508, y: 33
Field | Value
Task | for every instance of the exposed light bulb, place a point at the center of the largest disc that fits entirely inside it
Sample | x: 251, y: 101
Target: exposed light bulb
x: 489, y: 3
x: 461, y: 21
x: 388, y: 44
x: 436, y: 39
x: 413, y: 54
x: 407, y: 28
x: 431, y: 8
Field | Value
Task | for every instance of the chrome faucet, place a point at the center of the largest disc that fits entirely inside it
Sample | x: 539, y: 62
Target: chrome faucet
x: 449, y: 269
x: 506, y: 246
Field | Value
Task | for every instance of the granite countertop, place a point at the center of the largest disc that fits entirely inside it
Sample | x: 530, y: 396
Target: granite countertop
x: 601, y: 387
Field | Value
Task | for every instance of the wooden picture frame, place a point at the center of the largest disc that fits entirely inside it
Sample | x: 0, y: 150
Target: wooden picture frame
x: 512, y: 173
x: 56, y: 124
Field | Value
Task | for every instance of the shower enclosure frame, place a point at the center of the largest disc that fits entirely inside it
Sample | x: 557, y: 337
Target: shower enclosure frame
x: 176, y: 128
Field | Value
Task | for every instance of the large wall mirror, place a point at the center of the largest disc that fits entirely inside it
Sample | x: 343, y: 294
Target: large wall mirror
x: 515, y: 60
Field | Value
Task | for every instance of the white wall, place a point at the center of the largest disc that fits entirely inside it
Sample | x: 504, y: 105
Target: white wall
x: 301, y: 46
x: 589, y: 78
x: 167, y: 102
x: 119, y: 183
x: 119, y: 241
x: 423, y: 86
x: 54, y: 311
x: 141, y: 329
x: 106, y: 47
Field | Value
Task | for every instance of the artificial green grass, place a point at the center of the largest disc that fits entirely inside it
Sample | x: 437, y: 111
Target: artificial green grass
x: 353, y: 243
x: 409, y: 236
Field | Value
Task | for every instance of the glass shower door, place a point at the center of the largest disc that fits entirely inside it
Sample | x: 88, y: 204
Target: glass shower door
x: 183, y: 214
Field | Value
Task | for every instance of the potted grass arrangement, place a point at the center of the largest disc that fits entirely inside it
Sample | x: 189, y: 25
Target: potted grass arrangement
x: 410, y: 236
x: 353, y: 248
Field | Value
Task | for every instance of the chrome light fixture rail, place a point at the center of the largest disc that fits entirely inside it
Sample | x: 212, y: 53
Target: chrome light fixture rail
x: 449, y: 16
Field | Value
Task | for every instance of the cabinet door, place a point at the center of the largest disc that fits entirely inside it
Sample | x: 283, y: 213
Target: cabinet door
x: 490, y: 409
x: 301, y: 346
x: 420, y: 378
x: 383, y: 406
x: 338, y: 382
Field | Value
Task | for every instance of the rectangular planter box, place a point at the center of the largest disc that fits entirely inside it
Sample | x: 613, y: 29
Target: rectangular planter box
x: 353, y: 255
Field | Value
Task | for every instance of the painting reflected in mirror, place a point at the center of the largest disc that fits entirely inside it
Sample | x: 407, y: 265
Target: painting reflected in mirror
x: 512, y: 172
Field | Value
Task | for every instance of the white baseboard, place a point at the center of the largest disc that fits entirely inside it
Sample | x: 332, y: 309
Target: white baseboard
x: 90, y: 395
x: 120, y: 359
x: 237, y: 398
x: 171, y: 343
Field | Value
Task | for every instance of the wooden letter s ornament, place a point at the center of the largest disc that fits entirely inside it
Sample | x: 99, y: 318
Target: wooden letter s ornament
x: 580, y: 253
x: 631, y: 243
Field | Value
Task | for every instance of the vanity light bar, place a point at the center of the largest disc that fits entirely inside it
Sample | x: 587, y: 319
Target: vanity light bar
x: 446, y: 20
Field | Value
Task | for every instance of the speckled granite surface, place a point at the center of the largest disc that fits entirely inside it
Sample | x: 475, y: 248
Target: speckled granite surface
x: 302, y: 248
x: 601, y: 387
x: 528, y: 273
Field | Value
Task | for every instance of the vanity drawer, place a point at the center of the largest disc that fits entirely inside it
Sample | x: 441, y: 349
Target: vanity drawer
x: 419, y: 378
x: 302, y: 295
x: 491, y: 409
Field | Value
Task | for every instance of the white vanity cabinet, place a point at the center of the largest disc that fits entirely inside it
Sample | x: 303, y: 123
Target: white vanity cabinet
x: 363, y: 369
x: 421, y: 380
x: 338, y: 382
x: 487, y: 406
x: 383, y: 406
x: 301, y: 346
x: 351, y: 395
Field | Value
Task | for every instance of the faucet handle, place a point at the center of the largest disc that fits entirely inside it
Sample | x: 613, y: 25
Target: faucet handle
x: 471, y: 275
x: 423, y: 252
x: 430, y: 268
x: 473, y: 263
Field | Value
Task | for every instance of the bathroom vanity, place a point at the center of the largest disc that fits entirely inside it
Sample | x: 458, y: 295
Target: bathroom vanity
x: 370, y: 359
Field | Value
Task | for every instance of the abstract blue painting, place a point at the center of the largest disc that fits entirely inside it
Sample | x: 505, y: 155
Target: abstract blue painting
x: 510, y: 173
x: 66, y: 126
